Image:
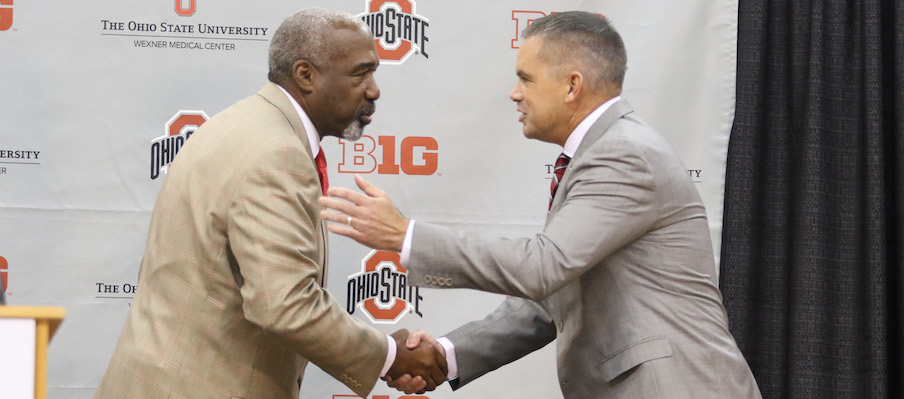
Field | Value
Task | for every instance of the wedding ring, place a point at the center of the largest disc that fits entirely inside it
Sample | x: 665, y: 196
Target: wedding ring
x: 349, y: 221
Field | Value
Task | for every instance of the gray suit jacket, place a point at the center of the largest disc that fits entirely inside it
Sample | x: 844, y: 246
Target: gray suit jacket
x: 232, y: 301
x: 622, y: 277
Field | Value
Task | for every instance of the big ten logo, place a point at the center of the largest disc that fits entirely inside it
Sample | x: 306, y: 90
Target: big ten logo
x: 381, y: 289
x: 382, y: 397
x: 176, y: 132
x: 4, y: 273
x: 186, y: 8
x: 397, y: 29
x: 417, y: 155
x: 6, y: 14
x: 523, y: 19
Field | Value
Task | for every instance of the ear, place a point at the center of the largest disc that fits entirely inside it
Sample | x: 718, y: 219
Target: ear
x: 304, y: 74
x: 575, y: 82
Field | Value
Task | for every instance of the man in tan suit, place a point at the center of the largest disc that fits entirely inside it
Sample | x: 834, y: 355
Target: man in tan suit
x: 622, y: 275
x: 232, y: 301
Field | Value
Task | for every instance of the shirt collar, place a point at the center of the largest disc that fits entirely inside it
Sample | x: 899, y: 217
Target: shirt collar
x: 574, y: 140
x: 313, y: 135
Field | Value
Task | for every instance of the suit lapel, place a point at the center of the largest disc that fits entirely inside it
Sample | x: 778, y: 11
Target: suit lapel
x: 274, y: 95
x: 615, y: 112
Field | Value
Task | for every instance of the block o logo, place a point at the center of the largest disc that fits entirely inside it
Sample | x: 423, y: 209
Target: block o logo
x: 184, y: 11
x: 6, y: 14
x: 176, y: 132
x: 382, y: 289
x: 4, y: 273
x: 397, y: 29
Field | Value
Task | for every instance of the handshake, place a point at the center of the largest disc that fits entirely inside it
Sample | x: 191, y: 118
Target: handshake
x: 419, y: 365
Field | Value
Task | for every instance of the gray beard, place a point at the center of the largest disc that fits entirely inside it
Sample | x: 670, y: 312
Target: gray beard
x: 353, y: 131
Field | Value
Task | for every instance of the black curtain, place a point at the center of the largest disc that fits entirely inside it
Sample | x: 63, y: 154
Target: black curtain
x: 812, y: 267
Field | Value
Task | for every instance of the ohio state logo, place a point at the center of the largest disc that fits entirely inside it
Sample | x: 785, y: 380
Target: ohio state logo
x: 176, y: 132
x: 398, y: 31
x: 6, y: 14
x: 381, y: 289
x: 186, y: 8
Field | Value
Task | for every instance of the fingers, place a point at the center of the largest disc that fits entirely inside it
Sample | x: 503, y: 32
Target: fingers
x: 407, y: 383
x: 369, y: 189
x: 347, y: 195
x: 425, y: 361
x: 336, y: 204
x: 414, y: 339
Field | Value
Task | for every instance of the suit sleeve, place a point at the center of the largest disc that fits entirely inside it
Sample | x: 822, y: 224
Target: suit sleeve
x: 516, y: 328
x: 276, y: 236
x: 609, y: 202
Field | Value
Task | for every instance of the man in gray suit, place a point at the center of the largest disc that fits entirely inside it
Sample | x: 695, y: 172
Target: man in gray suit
x: 622, y: 276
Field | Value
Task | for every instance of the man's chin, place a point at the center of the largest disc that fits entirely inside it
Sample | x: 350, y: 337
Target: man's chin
x: 353, y: 132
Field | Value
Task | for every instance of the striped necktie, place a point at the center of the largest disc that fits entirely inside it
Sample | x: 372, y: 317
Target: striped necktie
x: 320, y: 160
x: 561, y: 165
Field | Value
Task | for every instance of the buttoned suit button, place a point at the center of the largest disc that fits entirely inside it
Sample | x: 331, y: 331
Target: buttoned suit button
x: 560, y: 326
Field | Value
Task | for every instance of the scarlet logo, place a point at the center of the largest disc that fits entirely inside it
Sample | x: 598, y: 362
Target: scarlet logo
x: 418, y: 156
x: 176, y: 132
x: 6, y: 14
x: 184, y: 11
x: 398, y: 30
x: 382, y: 289
x: 4, y: 273
x: 523, y: 19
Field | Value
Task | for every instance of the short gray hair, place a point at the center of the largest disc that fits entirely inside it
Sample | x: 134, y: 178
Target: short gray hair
x: 305, y: 36
x: 583, y: 40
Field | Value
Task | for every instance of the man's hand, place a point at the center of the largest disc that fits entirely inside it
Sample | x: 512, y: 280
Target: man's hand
x: 368, y: 218
x: 406, y: 383
x: 422, y: 361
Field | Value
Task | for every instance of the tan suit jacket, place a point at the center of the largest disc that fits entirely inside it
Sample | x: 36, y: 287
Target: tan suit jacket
x: 231, y: 300
x: 622, y: 277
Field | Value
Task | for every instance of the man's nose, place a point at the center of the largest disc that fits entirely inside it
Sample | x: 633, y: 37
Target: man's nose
x: 373, y: 91
x: 516, y: 94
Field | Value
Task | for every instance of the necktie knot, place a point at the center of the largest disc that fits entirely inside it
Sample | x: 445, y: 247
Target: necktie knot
x: 558, y: 172
x: 320, y: 160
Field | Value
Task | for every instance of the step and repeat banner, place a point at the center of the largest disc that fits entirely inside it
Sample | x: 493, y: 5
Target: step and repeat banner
x: 96, y: 98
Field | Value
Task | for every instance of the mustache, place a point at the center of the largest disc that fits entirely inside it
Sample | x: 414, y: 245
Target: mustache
x: 367, y: 109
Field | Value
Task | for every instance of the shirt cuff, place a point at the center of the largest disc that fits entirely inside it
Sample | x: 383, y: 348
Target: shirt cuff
x: 451, y: 364
x: 406, y: 245
x: 390, y: 355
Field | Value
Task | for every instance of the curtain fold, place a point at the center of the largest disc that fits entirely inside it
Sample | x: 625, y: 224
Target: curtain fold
x: 813, y: 227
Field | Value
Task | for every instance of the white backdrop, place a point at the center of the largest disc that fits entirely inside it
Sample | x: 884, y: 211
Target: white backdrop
x: 88, y: 88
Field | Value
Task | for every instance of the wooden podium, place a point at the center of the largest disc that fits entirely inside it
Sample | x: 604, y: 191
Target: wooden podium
x: 46, y: 321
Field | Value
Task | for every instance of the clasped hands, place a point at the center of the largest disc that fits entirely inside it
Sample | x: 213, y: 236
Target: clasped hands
x: 372, y: 220
x: 420, y: 363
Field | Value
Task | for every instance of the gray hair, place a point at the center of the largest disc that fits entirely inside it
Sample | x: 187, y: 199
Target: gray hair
x: 582, y: 40
x: 305, y: 36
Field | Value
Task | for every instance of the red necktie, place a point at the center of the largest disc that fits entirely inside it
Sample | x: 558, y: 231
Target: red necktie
x: 558, y: 171
x: 321, y: 171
